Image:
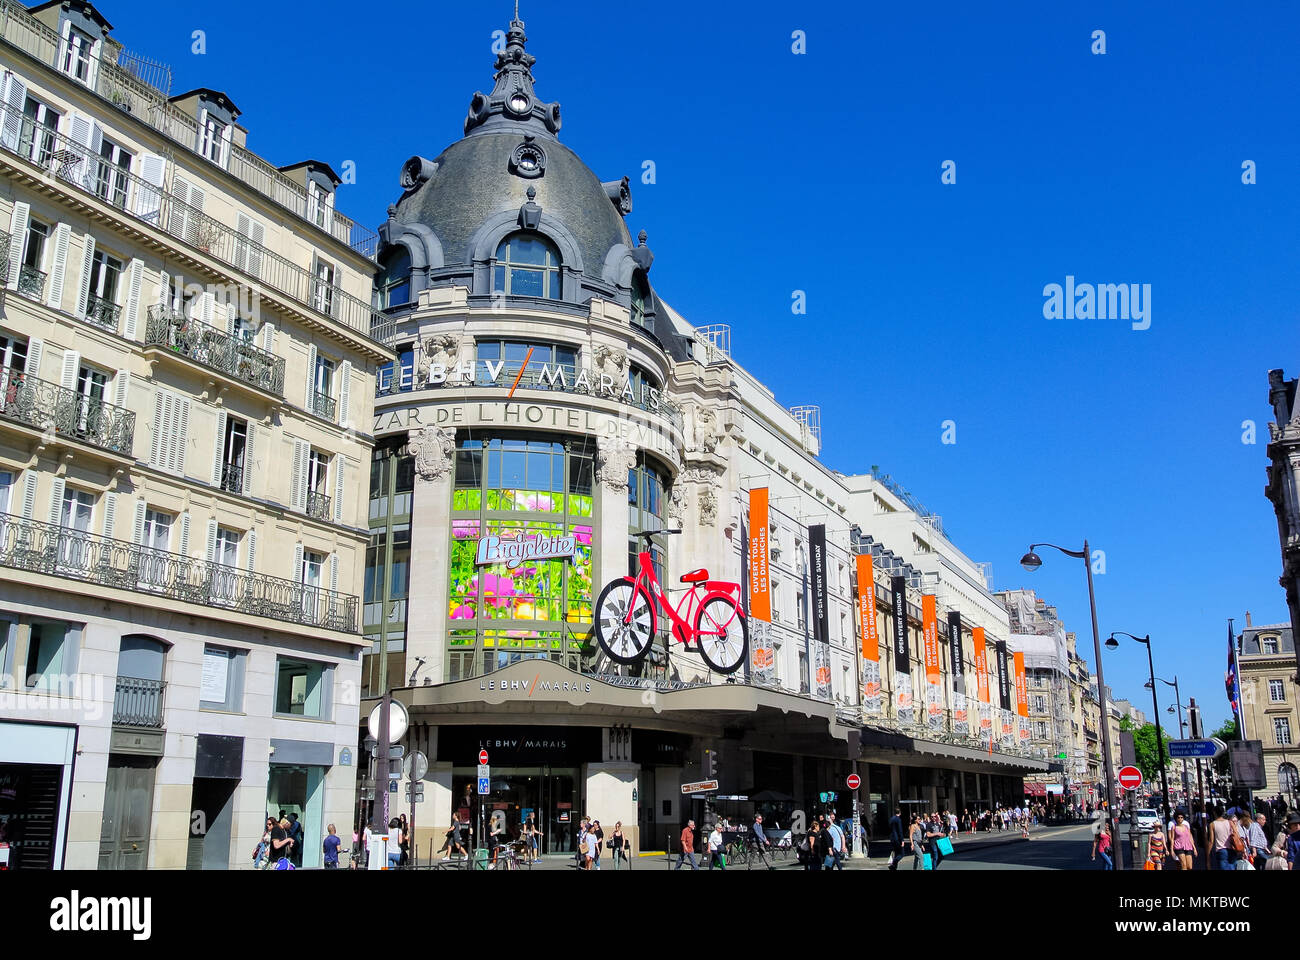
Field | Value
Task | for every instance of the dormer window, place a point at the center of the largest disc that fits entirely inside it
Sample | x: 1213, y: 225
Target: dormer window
x: 1268, y: 644
x: 527, y: 265
x: 640, y: 300
x: 76, y: 57
x: 213, y: 139
x: 395, y: 279
x: 320, y: 205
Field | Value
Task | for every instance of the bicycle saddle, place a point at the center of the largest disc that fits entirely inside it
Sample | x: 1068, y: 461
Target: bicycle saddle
x: 695, y: 576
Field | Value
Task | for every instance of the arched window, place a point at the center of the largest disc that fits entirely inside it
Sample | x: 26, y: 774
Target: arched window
x: 395, y: 279
x: 1287, y: 779
x: 640, y: 299
x: 527, y: 265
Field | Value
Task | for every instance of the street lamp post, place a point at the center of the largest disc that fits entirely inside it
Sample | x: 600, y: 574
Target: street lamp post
x: 1031, y: 562
x: 1182, y: 728
x: 1112, y: 644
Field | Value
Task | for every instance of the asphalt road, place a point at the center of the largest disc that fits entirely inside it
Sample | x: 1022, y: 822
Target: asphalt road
x: 1067, y: 849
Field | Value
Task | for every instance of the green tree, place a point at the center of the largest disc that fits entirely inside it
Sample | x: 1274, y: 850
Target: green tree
x: 1144, y: 748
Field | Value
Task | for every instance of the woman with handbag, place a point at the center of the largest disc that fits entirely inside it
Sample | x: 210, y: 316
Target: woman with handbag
x: 1184, y: 841
x: 617, y: 842
x: 260, y: 851
x: 1101, y: 845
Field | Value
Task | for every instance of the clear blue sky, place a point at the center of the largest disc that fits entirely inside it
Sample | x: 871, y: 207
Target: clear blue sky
x: 821, y: 173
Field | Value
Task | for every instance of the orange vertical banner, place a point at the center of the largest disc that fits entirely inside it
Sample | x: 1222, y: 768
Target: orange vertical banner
x: 1022, y: 687
x: 981, y: 664
x: 930, y: 624
x: 760, y: 587
x: 867, y: 607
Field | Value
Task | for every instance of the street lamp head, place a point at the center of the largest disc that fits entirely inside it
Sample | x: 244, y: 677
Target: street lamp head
x: 1031, y: 561
x: 1147, y: 685
x: 1112, y: 643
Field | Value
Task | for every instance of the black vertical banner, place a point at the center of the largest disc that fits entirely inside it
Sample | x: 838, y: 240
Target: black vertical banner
x: 817, y: 547
x: 902, y: 661
x: 1004, y: 676
x: 954, y: 644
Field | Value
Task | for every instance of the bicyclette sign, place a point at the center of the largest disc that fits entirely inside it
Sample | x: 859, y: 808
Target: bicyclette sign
x: 512, y: 551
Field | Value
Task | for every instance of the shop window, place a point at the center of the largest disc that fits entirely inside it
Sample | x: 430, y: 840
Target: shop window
x: 397, y: 376
x: 221, y: 685
x: 302, y: 688
x: 540, y: 356
x: 527, y: 265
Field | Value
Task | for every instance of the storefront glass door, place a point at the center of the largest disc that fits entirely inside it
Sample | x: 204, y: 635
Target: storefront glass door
x: 548, y: 793
x: 299, y: 790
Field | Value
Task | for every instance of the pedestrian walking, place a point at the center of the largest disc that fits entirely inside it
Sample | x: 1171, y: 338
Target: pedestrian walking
x: 278, y: 853
x: 1101, y: 846
x: 760, y: 841
x: 1222, y: 831
x: 688, y: 846
x: 895, y: 838
x: 713, y: 845
x: 1184, y: 841
x: 1156, y: 847
x: 839, y: 848
x: 405, y: 844
x: 1292, y: 839
x: 933, y: 833
x: 618, y: 843
x: 331, y: 849
x: 1257, y: 842
x: 916, y: 840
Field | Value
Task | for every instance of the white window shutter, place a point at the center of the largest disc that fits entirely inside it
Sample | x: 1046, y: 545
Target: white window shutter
x: 110, y: 514
x: 56, y: 500
x: 241, y: 245
x: 132, y: 308
x: 182, y: 434
x: 15, y: 100
x: 59, y: 268
x: 212, y: 540
x: 339, y: 463
x: 148, y: 196
x: 217, y: 456
x: 164, y: 287
x: 297, y: 564
x: 226, y: 136
x: 231, y: 312
x: 334, y: 573
x: 137, y: 532
x: 120, y: 384
x: 87, y: 264
x: 178, y: 214
x: 184, y: 548
x: 33, y: 365
x: 252, y: 551
x: 345, y: 392
x: 257, y: 234
x: 71, y: 364
x: 250, y: 446
x: 17, y: 238
x: 201, y: 133
x: 311, y: 378
x: 268, y: 336
x: 301, y: 451
x: 29, y: 494
x: 207, y: 307
x: 160, y: 403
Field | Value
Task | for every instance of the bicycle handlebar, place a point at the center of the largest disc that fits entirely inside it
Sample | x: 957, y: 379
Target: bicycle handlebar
x: 647, y: 534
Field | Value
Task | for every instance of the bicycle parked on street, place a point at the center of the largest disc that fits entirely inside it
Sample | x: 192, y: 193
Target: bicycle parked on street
x: 626, y: 619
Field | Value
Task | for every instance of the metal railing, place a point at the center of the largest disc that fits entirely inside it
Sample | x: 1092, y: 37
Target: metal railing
x: 62, y: 552
x: 232, y: 478
x: 151, y: 203
x: 31, y: 282
x: 138, y: 702
x: 323, y: 405
x: 49, y: 406
x: 102, y: 313
x: 318, y: 506
x: 119, y: 83
x: 206, y: 345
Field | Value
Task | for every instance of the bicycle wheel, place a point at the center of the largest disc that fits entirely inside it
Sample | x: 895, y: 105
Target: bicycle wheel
x: 624, y: 641
x: 722, y: 634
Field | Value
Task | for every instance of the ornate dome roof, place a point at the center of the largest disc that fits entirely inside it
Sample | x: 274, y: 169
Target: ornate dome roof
x: 479, y: 185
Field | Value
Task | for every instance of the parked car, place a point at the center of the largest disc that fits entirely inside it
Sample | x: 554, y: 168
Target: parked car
x: 1147, y: 820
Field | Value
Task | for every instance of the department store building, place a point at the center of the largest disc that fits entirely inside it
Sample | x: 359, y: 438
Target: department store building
x: 544, y: 389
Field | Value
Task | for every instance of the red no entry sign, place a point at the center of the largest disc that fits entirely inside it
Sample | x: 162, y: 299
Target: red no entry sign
x: 482, y: 757
x: 1130, y: 778
x: 854, y: 781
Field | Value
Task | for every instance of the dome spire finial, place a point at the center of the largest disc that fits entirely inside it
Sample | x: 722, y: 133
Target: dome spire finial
x: 513, y: 100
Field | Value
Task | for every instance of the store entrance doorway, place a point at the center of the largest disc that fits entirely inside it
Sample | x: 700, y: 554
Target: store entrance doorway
x: 549, y: 794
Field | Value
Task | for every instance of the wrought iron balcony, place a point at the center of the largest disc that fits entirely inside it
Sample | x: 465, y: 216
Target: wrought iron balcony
x: 89, y: 559
x: 138, y: 702
x: 31, y: 282
x: 102, y: 313
x: 232, y: 478
x: 318, y: 506
x: 69, y: 414
x: 210, y: 347
x: 323, y: 405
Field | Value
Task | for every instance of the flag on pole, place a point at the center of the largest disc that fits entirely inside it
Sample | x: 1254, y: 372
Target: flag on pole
x: 1231, y: 681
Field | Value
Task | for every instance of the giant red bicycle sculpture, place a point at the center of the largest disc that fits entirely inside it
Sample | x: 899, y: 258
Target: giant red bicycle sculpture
x: 626, y: 620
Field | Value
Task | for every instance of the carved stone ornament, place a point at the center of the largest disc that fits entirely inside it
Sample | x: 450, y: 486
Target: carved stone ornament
x: 610, y: 360
x: 707, y: 431
x: 708, y: 500
x: 614, y: 458
x: 677, y: 502
x: 433, y: 448
x: 442, y: 348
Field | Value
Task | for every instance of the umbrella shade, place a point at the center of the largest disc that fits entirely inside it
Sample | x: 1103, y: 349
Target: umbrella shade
x: 771, y: 796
